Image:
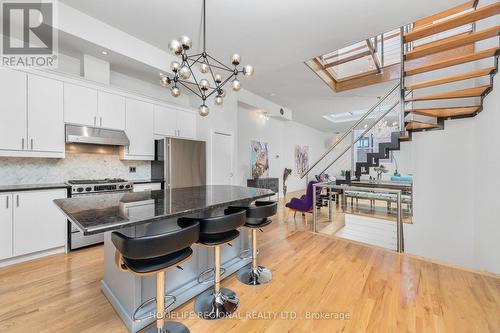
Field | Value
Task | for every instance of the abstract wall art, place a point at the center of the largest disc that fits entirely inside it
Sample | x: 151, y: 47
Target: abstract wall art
x: 259, y: 159
x: 301, y: 159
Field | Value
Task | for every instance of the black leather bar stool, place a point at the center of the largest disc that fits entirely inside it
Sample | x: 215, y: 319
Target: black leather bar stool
x: 257, y: 217
x: 218, y: 303
x: 154, y: 255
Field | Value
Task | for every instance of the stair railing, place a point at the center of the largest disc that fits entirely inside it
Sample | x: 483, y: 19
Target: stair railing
x: 368, y: 129
x: 353, y: 127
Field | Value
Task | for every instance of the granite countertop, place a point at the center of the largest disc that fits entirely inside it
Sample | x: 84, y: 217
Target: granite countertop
x: 98, y: 213
x: 148, y: 181
x: 32, y: 187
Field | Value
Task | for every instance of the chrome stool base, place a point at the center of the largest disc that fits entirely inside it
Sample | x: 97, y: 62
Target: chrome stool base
x: 168, y: 327
x: 210, y: 305
x: 250, y: 276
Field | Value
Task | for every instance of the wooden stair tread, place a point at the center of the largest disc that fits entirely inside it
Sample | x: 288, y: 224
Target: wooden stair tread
x: 404, y: 138
x: 463, y: 93
x: 418, y: 125
x: 429, y: 20
x: 446, y: 112
x: 457, y: 21
x: 452, y: 78
x: 453, y: 61
x: 452, y: 43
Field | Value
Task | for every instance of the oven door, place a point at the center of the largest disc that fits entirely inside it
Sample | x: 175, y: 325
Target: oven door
x: 76, y: 239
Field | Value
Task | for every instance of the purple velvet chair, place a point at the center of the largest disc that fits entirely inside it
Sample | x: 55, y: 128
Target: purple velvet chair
x: 304, y: 204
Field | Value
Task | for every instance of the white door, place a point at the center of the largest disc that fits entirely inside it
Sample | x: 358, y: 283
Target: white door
x: 80, y: 105
x: 13, y: 110
x: 186, y: 124
x: 111, y: 111
x: 222, y: 158
x: 45, y: 114
x: 165, y: 121
x: 38, y: 223
x: 5, y: 226
x: 140, y: 130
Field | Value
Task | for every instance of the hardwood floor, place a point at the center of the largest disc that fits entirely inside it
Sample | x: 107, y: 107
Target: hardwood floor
x: 374, y: 289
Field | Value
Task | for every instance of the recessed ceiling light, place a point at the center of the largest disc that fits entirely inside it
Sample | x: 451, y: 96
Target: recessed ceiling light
x: 272, y: 94
x: 161, y: 74
x: 105, y: 52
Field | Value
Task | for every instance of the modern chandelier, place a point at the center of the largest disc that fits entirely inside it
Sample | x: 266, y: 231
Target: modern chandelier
x: 209, y: 82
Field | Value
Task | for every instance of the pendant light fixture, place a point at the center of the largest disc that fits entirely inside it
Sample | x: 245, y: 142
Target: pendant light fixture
x: 211, y: 74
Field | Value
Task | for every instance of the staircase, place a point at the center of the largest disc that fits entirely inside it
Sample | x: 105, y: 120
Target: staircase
x: 447, y: 103
x: 432, y: 57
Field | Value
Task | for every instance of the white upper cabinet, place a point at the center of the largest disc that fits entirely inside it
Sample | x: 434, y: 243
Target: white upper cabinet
x: 165, y: 121
x: 186, y: 124
x: 45, y: 115
x: 80, y: 105
x: 139, y: 127
x: 172, y: 122
x: 13, y: 114
x: 111, y: 111
x: 5, y: 226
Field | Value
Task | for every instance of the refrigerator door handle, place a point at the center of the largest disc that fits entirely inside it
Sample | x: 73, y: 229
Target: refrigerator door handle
x: 168, y: 158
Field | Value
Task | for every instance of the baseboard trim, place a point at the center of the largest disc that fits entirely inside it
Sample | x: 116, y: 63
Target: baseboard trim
x: 31, y: 256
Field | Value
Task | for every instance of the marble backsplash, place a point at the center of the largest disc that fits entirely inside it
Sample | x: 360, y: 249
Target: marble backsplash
x: 74, y: 166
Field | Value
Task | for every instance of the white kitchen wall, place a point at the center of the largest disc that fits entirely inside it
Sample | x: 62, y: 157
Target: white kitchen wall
x: 74, y: 166
x: 282, y: 136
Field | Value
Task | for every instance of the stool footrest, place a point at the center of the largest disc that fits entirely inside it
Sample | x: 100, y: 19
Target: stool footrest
x: 169, y: 301
x: 208, y: 275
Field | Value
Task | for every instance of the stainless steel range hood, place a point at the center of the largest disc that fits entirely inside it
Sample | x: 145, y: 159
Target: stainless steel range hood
x: 95, y: 135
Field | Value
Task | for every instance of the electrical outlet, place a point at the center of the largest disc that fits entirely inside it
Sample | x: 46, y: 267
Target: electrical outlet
x: 132, y: 169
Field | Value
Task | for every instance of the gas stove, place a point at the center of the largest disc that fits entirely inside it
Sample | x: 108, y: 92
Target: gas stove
x: 92, y: 186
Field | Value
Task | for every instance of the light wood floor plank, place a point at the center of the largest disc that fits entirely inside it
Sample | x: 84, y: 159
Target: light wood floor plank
x: 381, y: 291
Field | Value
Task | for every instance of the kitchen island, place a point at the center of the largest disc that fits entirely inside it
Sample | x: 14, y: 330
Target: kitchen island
x: 154, y: 212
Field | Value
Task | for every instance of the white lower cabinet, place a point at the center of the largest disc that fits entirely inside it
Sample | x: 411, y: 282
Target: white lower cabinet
x: 30, y: 222
x: 5, y: 226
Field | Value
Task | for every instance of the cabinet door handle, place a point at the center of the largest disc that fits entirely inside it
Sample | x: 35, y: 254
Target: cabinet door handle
x: 95, y: 120
x: 22, y: 143
x: 100, y: 121
x: 7, y: 201
x: 17, y: 199
x: 31, y: 143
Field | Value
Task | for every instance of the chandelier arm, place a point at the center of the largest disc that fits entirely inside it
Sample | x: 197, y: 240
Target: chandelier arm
x: 211, y: 72
x: 197, y: 84
x: 187, y: 87
x: 221, y: 85
x: 220, y: 63
x: 221, y: 68
x: 212, y: 65
x: 187, y: 82
x: 194, y: 61
x: 195, y: 55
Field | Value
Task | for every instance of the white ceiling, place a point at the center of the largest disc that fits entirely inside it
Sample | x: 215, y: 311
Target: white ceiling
x: 274, y: 36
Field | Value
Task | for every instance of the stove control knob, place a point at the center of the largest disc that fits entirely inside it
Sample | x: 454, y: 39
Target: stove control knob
x: 127, y: 186
x: 80, y: 189
x: 121, y: 187
x: 88, y: 189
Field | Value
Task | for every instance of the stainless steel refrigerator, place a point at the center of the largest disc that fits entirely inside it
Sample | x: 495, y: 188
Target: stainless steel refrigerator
x: 181, y: 162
